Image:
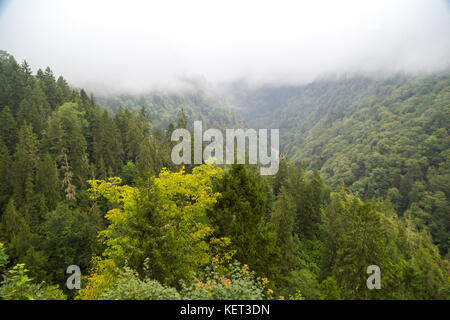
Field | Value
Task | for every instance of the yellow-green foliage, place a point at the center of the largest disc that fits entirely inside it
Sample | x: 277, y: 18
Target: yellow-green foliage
x: 178, y: 233
x: 100, y: 278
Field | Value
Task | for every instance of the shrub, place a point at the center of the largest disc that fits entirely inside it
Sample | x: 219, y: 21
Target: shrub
x: 128, y: 286
x: 237, y: 283
x: 18, y: 286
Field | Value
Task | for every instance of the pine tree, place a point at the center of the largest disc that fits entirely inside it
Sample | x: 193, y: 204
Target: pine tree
x: 16, y: 230
x: 310, y: 197
x: 356, y: 240
x: 49, y: 87
x: 64, y: 89
x: 239, y: 214
x: 283, y: 219
x: 47, y: 181
x: 182, y: 119
x: 12, y: 221
x: 281, y: 178
x: 112, y: 144
x: 27, y: 73
x: 8, y: 128
x: 170, y: 129
x: 5, y: 174
x: 144, y: 161
x: 26, y: 160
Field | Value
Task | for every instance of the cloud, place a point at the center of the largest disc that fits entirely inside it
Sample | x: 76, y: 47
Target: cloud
x: 136, y: 45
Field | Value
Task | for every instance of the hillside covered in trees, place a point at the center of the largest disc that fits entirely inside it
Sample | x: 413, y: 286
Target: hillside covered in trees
x: 80, y: 185
x: 163, y: 107
x: 382, y: 137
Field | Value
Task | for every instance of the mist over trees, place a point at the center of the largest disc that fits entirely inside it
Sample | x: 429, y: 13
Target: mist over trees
x: 383, y: 138
x: 94, y: 186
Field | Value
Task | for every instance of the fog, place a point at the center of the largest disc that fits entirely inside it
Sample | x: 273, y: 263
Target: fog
x: 136, y: 45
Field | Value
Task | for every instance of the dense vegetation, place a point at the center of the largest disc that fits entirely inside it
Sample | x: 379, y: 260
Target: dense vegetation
x: 384, y: 138
x: 163, y: 107
x: 80, y: 186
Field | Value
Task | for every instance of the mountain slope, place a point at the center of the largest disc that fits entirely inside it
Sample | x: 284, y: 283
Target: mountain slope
x: 382, y: 137
x: 163, y: 108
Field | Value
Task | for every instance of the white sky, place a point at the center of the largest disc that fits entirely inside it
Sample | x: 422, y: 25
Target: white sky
x: 135, y: 45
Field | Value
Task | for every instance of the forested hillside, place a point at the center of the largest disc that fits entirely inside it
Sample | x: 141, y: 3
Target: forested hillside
x: 163, y: 107
x: 82, y: 186
x: 383, y: 138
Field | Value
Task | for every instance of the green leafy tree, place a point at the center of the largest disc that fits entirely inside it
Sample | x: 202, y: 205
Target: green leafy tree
x: 329, y: 289
x: 163, y: 220
x: 17, y: 285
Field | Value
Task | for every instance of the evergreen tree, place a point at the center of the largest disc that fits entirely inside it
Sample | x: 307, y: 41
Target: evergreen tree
x: 5, y: 174
x: 15, y: 230
x: 64, y: 89
x: 182, y: 119
x: 283, y: 219
x: 69, y: 237
x: 49, y: 86
x: 26, y: 159
x: 8, y: 128
x: 48, y: 182
x: 356, y: 240
x: 239, y: 215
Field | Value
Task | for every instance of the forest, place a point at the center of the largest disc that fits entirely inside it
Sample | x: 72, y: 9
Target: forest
x: 363, y: 180
x: 383, y: 138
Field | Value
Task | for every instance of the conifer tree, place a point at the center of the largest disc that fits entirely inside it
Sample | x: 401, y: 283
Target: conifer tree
x: 48, y: 182
x: 239, y: 214
x: 283, y: 219
x: 8, y: 128
x: 5, y: 174
x: 26, y: 160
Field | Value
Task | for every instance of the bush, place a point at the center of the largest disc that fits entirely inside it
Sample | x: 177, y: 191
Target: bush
x: 18, y: 286
x: 237, y: 283
x: 129, y: 286
x: 3, y: 257
x: 303, y: 281
x: 329, y: 289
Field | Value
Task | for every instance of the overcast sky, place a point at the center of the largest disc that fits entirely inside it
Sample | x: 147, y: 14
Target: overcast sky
x: 135, y: 45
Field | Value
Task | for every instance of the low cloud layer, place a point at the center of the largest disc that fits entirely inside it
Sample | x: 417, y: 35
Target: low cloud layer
x: 138, y: 45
